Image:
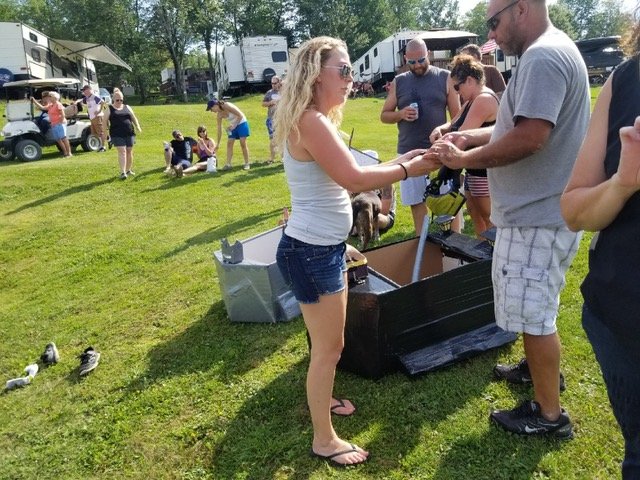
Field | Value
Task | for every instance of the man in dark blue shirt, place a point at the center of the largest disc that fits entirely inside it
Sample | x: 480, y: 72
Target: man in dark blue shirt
x: 178, y: 154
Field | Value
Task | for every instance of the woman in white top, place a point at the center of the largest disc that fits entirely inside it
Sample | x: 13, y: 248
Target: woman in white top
x: 311, y: 255
x: 237, y: 129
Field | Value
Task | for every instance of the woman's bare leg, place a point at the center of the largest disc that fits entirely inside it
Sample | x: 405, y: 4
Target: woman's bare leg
x: 325, y: 322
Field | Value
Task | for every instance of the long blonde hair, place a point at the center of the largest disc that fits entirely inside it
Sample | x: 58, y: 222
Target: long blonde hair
x: 296, y: 94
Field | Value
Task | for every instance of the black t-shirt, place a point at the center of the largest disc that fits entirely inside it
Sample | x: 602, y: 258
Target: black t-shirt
x: 183, y: 148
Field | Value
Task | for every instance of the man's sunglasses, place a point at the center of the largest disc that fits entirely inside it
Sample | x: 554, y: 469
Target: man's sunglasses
x: 346, y: 71
x: 420, y: 60
x: 494, y: 21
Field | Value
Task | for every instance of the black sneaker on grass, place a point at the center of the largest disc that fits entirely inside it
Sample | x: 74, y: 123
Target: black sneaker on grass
x: 527, y: 419
x: 50, y: 355
x: 519, y: 374
x: 88, y: 360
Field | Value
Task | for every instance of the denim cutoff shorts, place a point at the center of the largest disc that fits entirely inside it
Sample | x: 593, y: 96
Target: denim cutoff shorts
x: 311, y: 270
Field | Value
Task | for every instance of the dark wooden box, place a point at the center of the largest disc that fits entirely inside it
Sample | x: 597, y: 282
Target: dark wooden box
x: 447, y: 315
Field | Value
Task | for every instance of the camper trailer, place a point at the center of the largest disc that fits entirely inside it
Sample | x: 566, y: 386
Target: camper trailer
x: 381, y: 62
x: 385, y: 59
x: 26, y: 53
x: 251, y: 64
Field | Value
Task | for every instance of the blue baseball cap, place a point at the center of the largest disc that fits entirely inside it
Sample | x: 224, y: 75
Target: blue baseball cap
x: 211, y: 104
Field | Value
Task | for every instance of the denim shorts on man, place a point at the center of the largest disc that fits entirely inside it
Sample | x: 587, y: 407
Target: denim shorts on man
x: 528, y: 268
x: 270, y: 128
x: 311, y: 270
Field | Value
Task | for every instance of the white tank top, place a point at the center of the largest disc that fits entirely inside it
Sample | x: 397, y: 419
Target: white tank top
x: 321, y: 212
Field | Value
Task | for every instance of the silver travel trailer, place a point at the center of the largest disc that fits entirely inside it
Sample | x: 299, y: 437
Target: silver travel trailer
x: 27, y: 54
x: 251, y: 64
x: 383, y: 61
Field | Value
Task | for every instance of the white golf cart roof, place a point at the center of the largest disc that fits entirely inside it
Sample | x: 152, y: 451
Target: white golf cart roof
x: 45, y: 82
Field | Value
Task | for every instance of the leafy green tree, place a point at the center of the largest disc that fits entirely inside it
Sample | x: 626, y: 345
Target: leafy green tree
x: 475, y: 21
x: 561, y: 18
x: 9, y: 11
x: 208, y: 25
x: 610, y: 19
x: 360, y: 23
x: 256, y: 17
x: 581, y: 13
x: 439, y: 14
x: 404, y: 15
x: 171, y: 26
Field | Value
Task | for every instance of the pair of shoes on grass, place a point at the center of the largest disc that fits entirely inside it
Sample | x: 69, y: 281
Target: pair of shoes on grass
x: 89, y: 358
x: 519, y: 374
x: 527, y: 418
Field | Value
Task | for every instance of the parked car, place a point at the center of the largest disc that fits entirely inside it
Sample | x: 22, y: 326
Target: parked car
x: 105, y: 96
x: 24, y: 135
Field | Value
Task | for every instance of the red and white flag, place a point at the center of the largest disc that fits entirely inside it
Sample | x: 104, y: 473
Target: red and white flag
x: 488, y: 47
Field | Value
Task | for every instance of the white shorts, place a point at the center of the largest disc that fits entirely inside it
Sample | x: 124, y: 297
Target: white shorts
x: 528, y: 269
x: 412, y: 190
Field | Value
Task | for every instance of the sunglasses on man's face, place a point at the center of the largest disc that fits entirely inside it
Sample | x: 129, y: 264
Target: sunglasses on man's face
x: 494, y: 21
x: 420, y: 60
x: 346, y: 71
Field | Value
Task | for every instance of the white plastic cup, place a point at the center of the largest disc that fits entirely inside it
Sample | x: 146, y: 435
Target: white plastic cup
x: 211, y: 165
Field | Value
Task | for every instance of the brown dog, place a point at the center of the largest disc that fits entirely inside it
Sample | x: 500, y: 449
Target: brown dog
x: 366, y: 207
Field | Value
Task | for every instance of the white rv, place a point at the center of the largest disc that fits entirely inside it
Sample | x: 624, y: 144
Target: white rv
x: 26, y: 53
x: 250, y: 65
x: 385, y: 59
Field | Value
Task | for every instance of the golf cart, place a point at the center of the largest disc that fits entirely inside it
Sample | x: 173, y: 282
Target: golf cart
x: 27, y: 129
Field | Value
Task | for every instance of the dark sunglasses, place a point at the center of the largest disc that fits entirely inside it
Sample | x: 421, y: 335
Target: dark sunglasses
x: 118, y: 100
x: 346, y: 71
x: 456, y: 86
x: 494, y: 21
x: 420, y: 60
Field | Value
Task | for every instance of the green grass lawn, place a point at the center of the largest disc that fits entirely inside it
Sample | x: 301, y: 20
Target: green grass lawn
x: 126, y: 266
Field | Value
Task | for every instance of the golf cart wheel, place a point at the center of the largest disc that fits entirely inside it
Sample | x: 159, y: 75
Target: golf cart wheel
x: 6, y: 153
x: 91, y: 143
x: 28, y: 150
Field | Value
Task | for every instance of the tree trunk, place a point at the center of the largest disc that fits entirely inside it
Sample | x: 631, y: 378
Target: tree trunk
x: 207, y: 45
